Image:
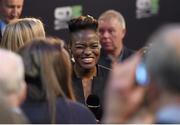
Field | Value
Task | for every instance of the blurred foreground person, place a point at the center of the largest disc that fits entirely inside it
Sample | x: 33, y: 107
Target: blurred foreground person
x: 50, y: 97
x: 20, y: 32
x: 162, y: 67
x: 123, y: 96
x: 12, y: 86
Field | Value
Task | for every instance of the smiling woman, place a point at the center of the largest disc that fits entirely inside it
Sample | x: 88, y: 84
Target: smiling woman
x: 89, y: 78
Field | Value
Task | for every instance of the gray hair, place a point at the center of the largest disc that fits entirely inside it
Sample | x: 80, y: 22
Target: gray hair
x: 113, y: 14
x: 11, y: 72
x: 163, y: 58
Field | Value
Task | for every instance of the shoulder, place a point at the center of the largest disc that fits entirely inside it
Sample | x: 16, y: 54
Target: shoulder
x: 103, y: 67
x: 103, y: 70
x: 128, y: 51
x: 81, y: 114
x: 74, y: 112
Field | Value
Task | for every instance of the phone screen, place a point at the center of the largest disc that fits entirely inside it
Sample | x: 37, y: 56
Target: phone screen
x: 142, y: 77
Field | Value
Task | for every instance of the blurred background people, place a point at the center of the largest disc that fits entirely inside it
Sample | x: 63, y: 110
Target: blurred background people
x: 21, y: 31
x: 50, y: 97
x: 89, y: 78
x: 112, y: 30
x: 9, y: 10
x: 12, y: 85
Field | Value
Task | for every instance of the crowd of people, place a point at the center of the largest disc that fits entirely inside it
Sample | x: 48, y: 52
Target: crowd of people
x: 93, y: 78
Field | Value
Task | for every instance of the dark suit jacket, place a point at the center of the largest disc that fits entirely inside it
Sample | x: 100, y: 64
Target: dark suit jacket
x: 67, y: 112
x: 106, y: 61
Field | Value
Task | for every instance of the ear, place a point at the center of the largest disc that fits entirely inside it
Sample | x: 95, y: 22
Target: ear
x: 22, y: 92
x: 70, y: 52
x: 123, y: 33
x: 69, y: 48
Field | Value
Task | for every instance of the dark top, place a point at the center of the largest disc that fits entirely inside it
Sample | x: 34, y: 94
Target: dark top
x: 106, y: 61
x: 68, y: 112
x: 36, y: 107
x: 98, y: 86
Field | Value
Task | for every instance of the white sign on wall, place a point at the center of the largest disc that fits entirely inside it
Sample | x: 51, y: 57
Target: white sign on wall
x: 63, y: 14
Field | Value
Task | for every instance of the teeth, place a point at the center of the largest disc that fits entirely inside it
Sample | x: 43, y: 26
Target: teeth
x: 87, y: 60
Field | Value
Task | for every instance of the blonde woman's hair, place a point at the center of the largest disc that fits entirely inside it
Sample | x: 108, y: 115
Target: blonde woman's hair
x: 48, y: 68
x: 20, y: 32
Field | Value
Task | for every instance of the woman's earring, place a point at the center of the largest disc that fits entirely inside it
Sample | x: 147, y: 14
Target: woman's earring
x: 72, y: 57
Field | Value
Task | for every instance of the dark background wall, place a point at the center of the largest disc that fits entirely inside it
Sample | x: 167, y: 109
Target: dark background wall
x: 138, y: 29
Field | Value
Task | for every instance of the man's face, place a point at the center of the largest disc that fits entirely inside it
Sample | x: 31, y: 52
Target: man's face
x: 111, y: 34
x: 85, y: 48
x: 10, y: 9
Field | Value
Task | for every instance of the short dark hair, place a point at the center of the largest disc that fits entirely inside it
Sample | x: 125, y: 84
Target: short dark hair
x: 81, y: 23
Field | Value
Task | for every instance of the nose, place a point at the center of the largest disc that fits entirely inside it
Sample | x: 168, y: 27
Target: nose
x: 87, y: 51
x: 15, y: 12
x: 105, y: 34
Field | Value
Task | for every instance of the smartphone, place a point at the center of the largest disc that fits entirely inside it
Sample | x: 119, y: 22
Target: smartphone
x: 141, y: 74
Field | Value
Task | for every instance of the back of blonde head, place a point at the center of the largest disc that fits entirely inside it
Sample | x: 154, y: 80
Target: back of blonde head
x: 20, y: 32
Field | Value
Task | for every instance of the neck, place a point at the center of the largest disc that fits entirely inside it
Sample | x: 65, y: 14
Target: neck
x: 84, y: 73
x: 116, y: 52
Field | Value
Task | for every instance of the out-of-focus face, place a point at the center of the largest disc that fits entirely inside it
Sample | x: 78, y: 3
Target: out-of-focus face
x: 10, y: 9
x: 85, y: 48
x: 111, y: 34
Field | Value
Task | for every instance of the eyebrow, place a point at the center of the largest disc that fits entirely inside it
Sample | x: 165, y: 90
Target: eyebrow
x: 78, y: 42
x: 93, y: 41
